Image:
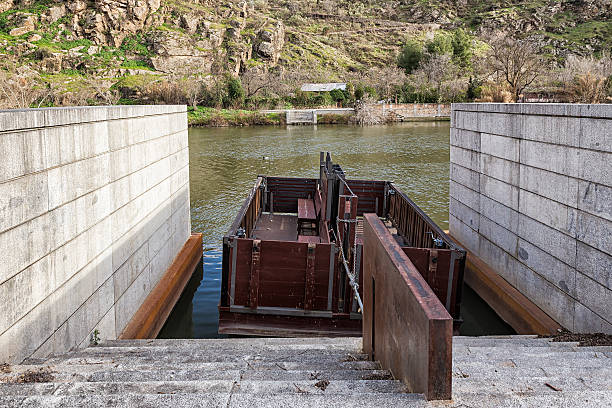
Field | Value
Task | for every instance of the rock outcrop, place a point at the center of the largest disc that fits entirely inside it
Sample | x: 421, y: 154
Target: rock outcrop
x: 179, y: 54
x: 270, y: 42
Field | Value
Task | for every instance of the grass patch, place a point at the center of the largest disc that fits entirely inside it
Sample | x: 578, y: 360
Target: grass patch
x: 211, y: 117
x: 333, y: 119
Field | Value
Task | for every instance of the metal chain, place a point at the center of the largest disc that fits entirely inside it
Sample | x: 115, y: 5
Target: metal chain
x: 351, y: 275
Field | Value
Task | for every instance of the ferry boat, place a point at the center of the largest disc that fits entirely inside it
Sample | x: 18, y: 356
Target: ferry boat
x: 292, y: 258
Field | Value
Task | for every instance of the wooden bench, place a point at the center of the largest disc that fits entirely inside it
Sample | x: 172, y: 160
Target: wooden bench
x: 306, y: 210
x: 307, y: 215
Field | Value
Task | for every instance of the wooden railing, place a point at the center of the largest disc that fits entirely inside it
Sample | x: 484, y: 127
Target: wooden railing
x: 413, y: 224
x: 249, y: 212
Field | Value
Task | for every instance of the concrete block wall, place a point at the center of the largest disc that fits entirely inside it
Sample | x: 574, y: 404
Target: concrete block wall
x: 94, y: 206
x: 531, y: 194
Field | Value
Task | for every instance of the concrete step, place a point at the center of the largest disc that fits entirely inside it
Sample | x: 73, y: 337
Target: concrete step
x: 336, y: 387
x: 317, y: 342
x: 221, y: 352
x: 488, y: 398
x: 105, y: 401
x: 216, y: 349
x: 502, y: 353
x: 105, y: 373
x: 553, y: 348
x: 176, y: 359
x: 536, y: 385
x: 307, y: 400
x: 583, y: 359
x: 111, y: 363
x: 297, y: 400
x: 482, y: 371
x: 502, y: 342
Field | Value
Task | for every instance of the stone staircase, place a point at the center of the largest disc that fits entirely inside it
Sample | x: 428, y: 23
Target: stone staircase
x: 526, y: 371
x: 509, y: 371
x: 199, y: 373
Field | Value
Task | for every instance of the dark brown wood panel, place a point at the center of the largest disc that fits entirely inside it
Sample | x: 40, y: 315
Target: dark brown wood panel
x: 434, y: 267
x: 243, y: 271
x: 286, y: 191
x: 286, y: 326
x: 368, y: 192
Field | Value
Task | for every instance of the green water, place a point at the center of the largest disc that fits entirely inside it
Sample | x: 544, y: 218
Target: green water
x: 224, y: 163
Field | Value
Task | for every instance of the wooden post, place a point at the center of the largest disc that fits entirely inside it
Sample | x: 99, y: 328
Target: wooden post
x: 309, y: 286
x: 254, y: 278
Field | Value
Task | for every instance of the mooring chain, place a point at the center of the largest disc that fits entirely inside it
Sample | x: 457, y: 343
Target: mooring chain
x: 352, y: 279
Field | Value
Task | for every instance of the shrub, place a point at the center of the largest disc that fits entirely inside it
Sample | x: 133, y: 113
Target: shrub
x: 337, y: 95
x: 235, y: 92
x: 411, y: 55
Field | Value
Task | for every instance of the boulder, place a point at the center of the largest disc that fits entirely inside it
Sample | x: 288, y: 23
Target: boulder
x: 232, y: 33
x: 55, y: 13
x: 266, y: 50
x: 190, y: 23
x: 52, y: 64
x: 25, y: 23
x: 270, y: 42
x: 76, y: 6
x: 170, y: 43
x: 182, y: 64
x: 6, y: 5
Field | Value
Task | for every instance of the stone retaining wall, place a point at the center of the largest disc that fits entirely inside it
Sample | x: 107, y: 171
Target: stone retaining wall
x: 94, y: 206
x: 414, y: 110
x: 531, y: 195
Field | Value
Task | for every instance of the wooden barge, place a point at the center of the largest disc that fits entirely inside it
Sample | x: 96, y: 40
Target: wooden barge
x: 292, y: 257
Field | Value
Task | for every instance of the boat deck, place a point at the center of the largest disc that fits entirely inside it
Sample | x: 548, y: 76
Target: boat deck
x: 276, y: 227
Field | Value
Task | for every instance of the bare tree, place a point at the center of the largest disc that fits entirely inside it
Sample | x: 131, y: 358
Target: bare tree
x: 585, y: 79
x: 20, y: 91
x: 194, y: 89
x: 514, y: 61
x: 256, y: 80
x: 434, y: 71
x: 386, y: 79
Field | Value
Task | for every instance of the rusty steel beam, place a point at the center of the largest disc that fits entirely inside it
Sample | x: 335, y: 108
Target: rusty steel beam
x: 154, y: 311
x: 524, y: 316
x: 405, y: 326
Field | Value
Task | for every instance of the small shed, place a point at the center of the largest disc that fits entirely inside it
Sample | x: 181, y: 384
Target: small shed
x: 323, y: 87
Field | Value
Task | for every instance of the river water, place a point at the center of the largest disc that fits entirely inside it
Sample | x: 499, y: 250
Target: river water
x: 224, y: 163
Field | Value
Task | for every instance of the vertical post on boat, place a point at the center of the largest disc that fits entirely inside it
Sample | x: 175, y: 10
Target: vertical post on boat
x: 309, y: 287
x: 321, y: 166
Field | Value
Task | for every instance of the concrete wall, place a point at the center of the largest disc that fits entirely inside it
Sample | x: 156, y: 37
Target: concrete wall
x: 531, y: 194
x: 94, y: 205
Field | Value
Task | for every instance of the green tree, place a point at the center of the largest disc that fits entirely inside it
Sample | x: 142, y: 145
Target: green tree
x: 359, y: 92
x: 462, y: 48
x: 441, y: 44
x: 337, y: 95
x: 235, y: 92
x: 411, y: 55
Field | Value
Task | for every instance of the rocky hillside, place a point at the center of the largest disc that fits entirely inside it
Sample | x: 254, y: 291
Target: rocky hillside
x: 66, y: 41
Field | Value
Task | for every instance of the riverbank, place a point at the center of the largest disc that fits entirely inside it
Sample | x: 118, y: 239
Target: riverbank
x: 212, y: 117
